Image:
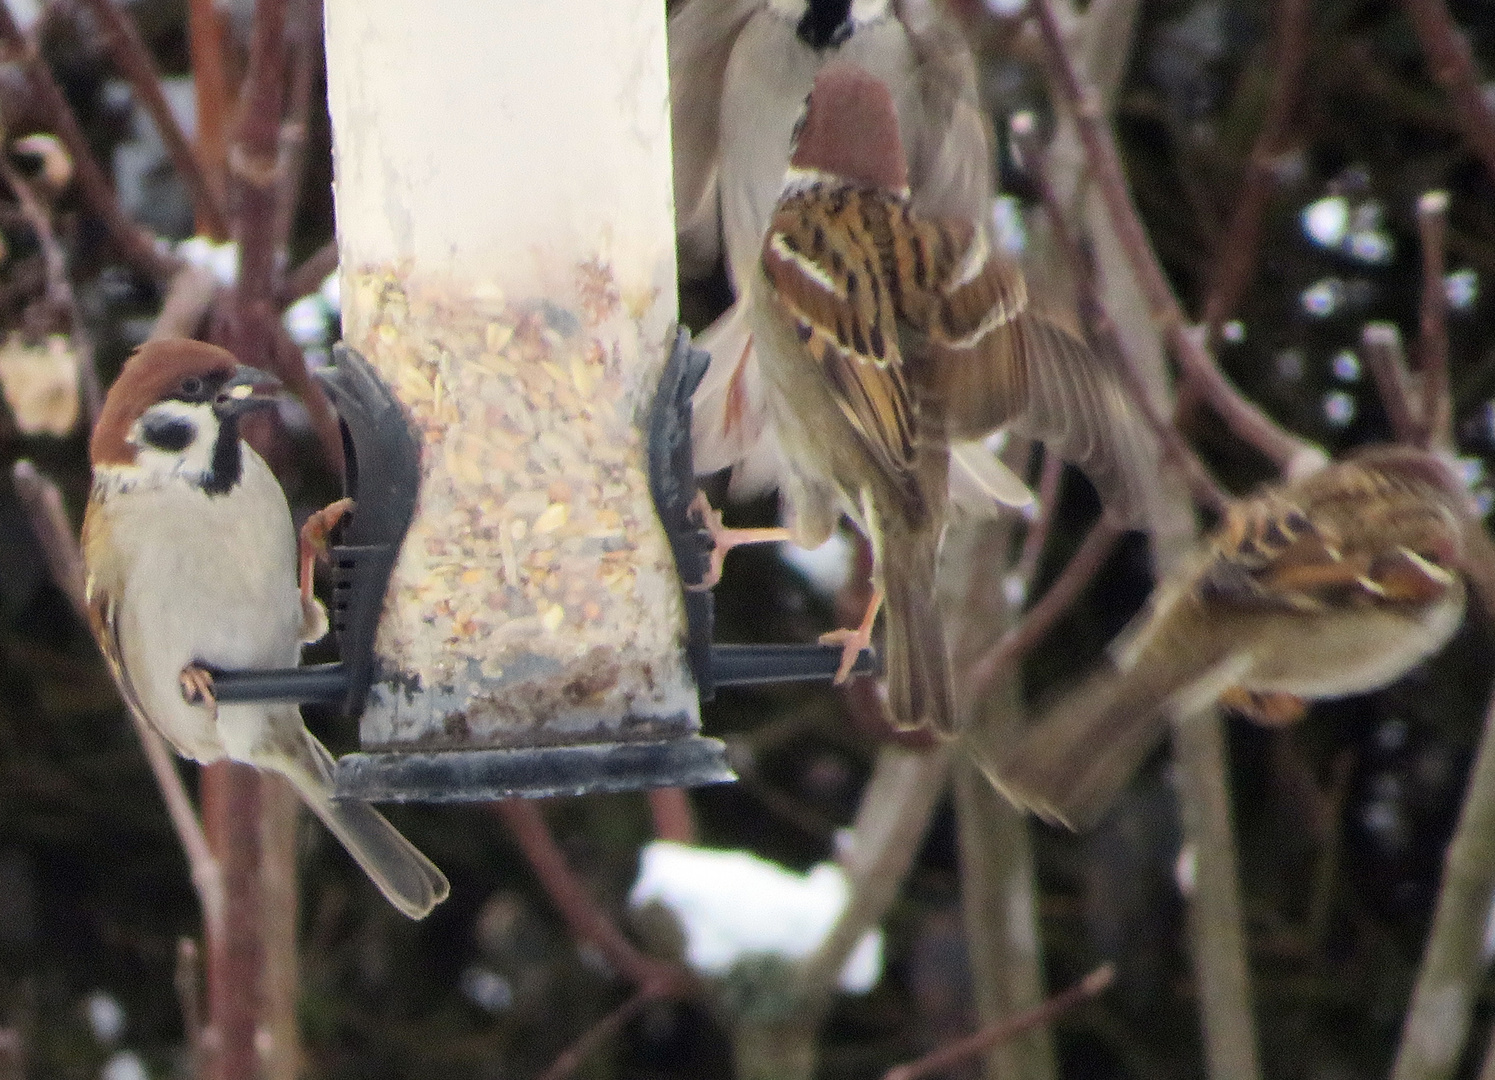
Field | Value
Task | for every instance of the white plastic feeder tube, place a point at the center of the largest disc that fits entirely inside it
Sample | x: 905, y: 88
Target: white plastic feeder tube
x: 506, y: 233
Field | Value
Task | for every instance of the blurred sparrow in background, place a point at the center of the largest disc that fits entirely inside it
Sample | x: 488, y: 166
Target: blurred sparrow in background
x: 191, y: 566
x: 1332, y: 585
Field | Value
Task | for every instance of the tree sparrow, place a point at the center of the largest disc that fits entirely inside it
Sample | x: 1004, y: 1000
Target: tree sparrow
x: 740, y: 71
x: 883, y: 335
x: 191, y: 566
x: 1332, y: 585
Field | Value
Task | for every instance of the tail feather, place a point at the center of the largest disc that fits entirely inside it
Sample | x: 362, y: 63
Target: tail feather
x: 1073, y: 764
x: 409, y: 880
x: 917, y: 665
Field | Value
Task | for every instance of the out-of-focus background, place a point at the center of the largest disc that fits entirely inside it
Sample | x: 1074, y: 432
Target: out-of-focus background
x: 1341, y: 821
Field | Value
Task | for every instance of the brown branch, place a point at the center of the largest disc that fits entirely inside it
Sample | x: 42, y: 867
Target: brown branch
x: 254, y: 177
x: 571, y: 1058
x: 135, y: 63
x: 1291, y: 454
x: 1040, y: 618
x: 892, y: 818
x: 673, y: 818
x: 188, y: 299
x: 962, y: 1050
x: 587, y: 920
x: 1452, y: 67
x: 305, y: 35
x: 1237, y: 255
x: 210, y: 87
x: 1381, y: 349
x: 59, y: 544
x: 61, y: 299
x: 1436, y: 428
x: 307, y: 277
x: 231, y: 813
x: 188, y: 982
x: 137, y: 246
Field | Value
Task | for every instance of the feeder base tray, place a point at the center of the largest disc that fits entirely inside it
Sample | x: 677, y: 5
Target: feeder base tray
x: 537, y: 772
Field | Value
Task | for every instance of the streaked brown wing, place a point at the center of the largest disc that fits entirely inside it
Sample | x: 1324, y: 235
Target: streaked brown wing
x: 826, y: 277
x: 999, y: 362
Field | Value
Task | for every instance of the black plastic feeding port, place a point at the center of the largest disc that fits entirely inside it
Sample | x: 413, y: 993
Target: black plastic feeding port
x: 672, y: 480
x: 382, y: 478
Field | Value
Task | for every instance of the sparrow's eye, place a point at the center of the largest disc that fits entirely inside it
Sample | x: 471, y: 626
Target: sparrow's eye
x: 191, y: 387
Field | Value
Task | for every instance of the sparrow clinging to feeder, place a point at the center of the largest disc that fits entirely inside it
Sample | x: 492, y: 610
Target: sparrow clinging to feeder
x: 883, y: 336
x: 191, y: 566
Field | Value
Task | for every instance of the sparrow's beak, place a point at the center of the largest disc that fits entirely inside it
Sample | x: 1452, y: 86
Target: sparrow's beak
x: 249, y: 389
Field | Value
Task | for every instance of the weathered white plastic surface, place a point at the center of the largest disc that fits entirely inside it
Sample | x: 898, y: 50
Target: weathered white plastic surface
x: 506, y: 231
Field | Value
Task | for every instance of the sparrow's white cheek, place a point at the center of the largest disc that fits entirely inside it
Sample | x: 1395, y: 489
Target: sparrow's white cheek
x: 174, y: 438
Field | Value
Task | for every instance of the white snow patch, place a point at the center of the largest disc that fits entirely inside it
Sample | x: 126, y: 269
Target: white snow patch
x: 732, y: 904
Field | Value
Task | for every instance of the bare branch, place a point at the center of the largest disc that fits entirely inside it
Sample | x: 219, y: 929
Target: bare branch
x: 1041, y: 617
x: 307, y: 277
x: 138, y: 247
x: 1452, y: 66
x: 572, y: 1057
x: 1453, y: 960
x: 893, y: 816
x: 59, y: 545
x: 1291, y: 454
x: 587, y: 920
x: 210, y: 85
x: 188, y: 982
x: 962, y: 1050
x: 673, y: 818
x: 1381, y: 348
x: 135, y: 63
x: 1432, y: 322
x: 61, y: 299
x: 1236, y: 265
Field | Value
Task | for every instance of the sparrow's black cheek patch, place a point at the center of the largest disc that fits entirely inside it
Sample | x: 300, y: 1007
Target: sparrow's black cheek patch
x: 169, y: 433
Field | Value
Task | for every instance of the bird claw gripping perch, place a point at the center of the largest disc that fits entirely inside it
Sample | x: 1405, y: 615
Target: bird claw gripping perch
x: 672, y: 482
x: 382, y: 479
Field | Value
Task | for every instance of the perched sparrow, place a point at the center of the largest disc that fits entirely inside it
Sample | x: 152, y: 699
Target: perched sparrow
x: 740, y: 71
x: 191, y: 562
x: 884, y: 335
x: 1332, y: 585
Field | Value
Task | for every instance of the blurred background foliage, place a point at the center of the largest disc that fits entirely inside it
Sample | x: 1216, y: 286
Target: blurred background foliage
x: 1341, y: 821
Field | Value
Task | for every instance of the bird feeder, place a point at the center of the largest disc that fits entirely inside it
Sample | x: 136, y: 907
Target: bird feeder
x: 513, y: 597
x: 506, y: 241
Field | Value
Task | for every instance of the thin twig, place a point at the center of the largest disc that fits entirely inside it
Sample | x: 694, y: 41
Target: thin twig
x: 1040, y: 618
x: 587, y: 920
x: 61, y: 299
x: 1453, y: 961
x: 1236, y: 262
x: 1381, y: 348
x: 187, y: 302
x: 59, y: 545
x: 305, y: 34
x: 673, y: 818
x: 308, y: 276
x: 1291, y: 454
x: 139, y: 248
x: 188, y: 982
x: 571, y: 1058
x: 1452, y: 66
x: 892, y: 818
x: 962, y: 1050
x: 1432, y: 323
x: 135, y: 63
